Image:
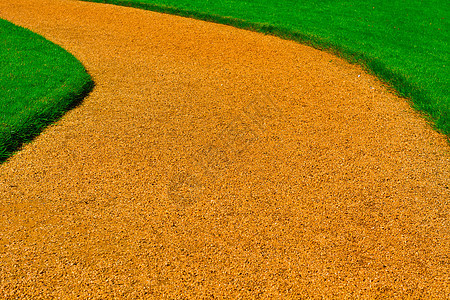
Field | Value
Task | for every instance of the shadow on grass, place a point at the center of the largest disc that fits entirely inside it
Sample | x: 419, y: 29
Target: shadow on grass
x: 31, y: 126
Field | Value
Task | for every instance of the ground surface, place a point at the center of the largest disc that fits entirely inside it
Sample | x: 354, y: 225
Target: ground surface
x: 211, y: 161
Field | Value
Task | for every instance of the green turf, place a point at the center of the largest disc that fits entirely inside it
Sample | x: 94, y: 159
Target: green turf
x: 404, y: 43
x: 39, y: 81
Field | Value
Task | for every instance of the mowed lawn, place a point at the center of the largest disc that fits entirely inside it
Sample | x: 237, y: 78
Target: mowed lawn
x: 404, y: 43
x: 39, y: 82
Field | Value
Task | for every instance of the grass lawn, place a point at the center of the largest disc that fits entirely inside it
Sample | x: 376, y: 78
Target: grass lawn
x: 404, y: 43
x: 39, y: 81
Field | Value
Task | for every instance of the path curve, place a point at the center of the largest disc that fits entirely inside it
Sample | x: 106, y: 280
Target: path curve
x: 211, y: 161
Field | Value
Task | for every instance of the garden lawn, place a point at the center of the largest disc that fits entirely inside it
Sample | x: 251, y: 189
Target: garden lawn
x: 39, y: 81
x: 404, y: 43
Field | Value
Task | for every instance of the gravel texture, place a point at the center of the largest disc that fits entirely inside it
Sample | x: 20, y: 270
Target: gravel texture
x: 216, y: 162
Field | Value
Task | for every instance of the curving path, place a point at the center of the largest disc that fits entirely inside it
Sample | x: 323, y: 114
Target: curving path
x: 211, y: 161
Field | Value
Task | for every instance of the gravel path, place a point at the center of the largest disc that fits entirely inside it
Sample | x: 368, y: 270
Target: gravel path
x: 211, y: 161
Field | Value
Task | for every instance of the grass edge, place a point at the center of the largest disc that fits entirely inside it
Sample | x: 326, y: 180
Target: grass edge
x: 59, y: 101
x: 418, y: 98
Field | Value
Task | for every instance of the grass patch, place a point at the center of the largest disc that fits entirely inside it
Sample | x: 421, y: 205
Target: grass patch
x: 404, y: 43
x: 39, y: 82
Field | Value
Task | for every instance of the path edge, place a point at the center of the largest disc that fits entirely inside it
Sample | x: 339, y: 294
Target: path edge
x: 418, y: 98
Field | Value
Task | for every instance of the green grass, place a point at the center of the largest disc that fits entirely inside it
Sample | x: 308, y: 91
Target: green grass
x: 404, y: 43
x: 39, y: 82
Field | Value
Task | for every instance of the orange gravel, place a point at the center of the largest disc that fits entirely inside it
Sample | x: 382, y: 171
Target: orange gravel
x: 212, y: 162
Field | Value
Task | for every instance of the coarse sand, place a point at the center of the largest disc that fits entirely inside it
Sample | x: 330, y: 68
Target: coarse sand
x: 213, y: 162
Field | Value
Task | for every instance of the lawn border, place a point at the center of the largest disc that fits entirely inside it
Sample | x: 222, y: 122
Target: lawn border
x: 58, y: 101
x: 417, y: 97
